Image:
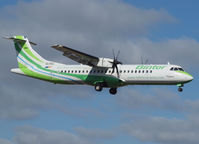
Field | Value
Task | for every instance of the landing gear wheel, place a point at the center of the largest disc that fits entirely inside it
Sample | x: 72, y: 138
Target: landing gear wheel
x: 98, y: 88
x: 180, y: 89
x: 113, y: 91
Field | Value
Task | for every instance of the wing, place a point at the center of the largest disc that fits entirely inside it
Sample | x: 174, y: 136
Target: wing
x: 77, y: 56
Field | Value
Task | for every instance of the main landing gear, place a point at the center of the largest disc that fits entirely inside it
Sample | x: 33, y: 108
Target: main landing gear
x: 98, y: 88
x: 112, y: 91
x: 180, y: 89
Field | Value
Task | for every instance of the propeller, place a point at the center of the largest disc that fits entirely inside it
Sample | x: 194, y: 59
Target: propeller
x: 144, y: 62
x: 115, y: 62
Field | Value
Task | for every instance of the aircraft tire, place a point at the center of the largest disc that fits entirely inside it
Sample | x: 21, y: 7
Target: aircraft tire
x: 98, y: 88
x: 180, y: 89
x: 113, y: 91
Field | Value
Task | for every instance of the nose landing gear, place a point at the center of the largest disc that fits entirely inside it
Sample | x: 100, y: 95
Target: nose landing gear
x: 180, y: 89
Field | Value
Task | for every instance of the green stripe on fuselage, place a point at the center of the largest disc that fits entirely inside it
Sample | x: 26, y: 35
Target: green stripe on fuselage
x: 33, y: 74
x: 94, y: 79
x: 88, y: 79
x: 183, y: 72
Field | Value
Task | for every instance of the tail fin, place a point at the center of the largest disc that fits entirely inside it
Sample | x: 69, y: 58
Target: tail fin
x: 25, y: 54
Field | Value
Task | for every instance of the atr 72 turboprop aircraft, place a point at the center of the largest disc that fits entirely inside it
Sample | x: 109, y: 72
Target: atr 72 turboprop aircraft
x: 98, y: 72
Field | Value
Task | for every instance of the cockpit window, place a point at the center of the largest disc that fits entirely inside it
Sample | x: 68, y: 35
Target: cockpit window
x: 180, y: 69
x: 176, y: 69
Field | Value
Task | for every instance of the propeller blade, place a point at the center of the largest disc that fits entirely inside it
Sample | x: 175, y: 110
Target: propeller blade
x: 113, y: 67
x: 113, y: 54
x: 118, y: 54
x: 146, y: 62
x: 118, y: 75
x: 142, y: 60
x: 115, y: 62
x: 113, y: 71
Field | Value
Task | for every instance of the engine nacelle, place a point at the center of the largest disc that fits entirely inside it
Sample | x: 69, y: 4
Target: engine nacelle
x: 105, y: 62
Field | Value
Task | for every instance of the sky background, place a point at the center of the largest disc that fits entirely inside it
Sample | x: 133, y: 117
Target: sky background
x: 33, y: 111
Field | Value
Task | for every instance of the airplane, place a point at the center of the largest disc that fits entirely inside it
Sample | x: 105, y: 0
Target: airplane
x: 94, y: 71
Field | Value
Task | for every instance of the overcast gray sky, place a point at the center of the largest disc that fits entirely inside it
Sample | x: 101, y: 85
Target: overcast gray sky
x: 33, y: 111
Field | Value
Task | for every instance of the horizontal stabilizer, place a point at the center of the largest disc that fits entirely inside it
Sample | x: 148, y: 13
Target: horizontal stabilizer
x: 16, y: 39
x: 17, y: 71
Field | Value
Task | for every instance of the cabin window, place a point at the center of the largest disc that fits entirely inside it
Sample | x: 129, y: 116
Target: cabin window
x: 75, y: 71
x: 135, y: 71
x: 83, y: 71
x: 72, y: 71
x: 102, y: 71
x: 172, y: 69
x: 69, y: 71
x: 147, y: 71
x: 143, y: 71
x: 109, y: 71
x: 150, y: 71
x: 128, y: 71
x: 86, y: 71
x: 132, y: 71
x: 139, y: 71
x: 79, y: 71
x: 61, y: 71
x: 120, y: 71
x: 124, y: 71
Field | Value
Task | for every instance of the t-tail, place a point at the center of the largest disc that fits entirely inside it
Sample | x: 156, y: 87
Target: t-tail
x: 27, y: 58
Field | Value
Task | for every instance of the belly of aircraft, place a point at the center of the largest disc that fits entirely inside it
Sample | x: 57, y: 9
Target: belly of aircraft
x: 150, y: 81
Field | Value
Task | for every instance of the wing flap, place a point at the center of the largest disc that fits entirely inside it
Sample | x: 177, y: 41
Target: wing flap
x: 77, y: 56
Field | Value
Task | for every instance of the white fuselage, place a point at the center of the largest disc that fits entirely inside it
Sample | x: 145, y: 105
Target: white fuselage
x: 131, y: 74
x: 97, y: 72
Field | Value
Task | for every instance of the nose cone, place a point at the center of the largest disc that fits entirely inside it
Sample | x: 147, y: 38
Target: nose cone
x: 184, y: 76
x: 188, y: 77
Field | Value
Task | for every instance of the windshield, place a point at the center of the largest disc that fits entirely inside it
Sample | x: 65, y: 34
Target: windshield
x: 176, y: 69
x: 180, y: 69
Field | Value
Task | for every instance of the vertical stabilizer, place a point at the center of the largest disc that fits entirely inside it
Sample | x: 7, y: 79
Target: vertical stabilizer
x: 26, y: 56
